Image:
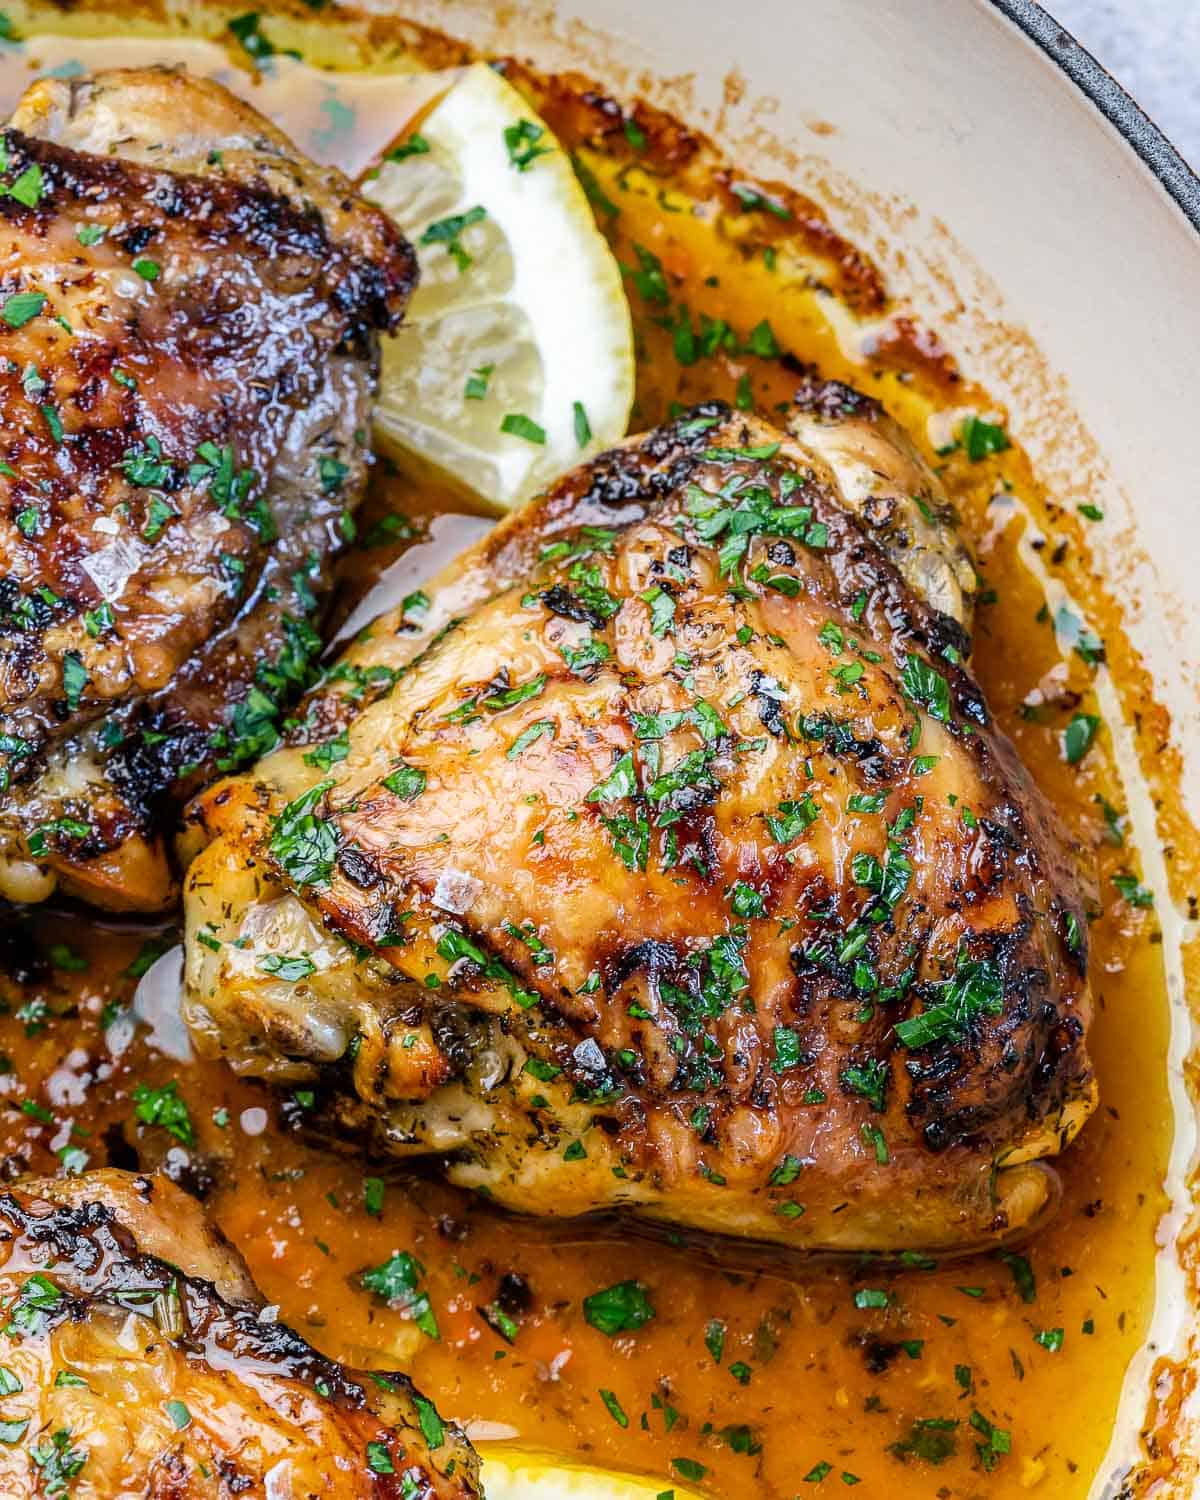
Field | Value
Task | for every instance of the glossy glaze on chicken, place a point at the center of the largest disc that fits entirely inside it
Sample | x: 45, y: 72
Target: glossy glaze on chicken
x: 677, y: 864
x: 187, y: 348
x: 136, y: 1358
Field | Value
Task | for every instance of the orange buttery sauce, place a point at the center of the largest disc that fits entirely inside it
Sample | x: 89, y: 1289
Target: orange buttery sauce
x: 757, y: 1374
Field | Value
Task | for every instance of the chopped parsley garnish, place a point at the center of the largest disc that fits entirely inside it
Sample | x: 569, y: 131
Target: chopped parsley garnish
x: 583, y: 428
x: 332, y: 473
x: 517, y: 424
x: 477, y: 383
x: 510, y: 697
x: 662, y: 611
x: 1079, y: 736
x: 689, y: 1469
x: 788, y: 1052
x: 303, y: 844
x: 29, y: 187
x: 21, y: 307
x: 751, y: 198
x: 448, y: 231
x: 746, y: 901
x: 59, y: 1463
x: 618, y: 1309
x: 158, y: 513
x: 37, y: 1298
x: 287, y: 966
x: 615, y: 1410
x: 870, y: 1079
x: 792, y: 818
x: 246, y: 29
x: 762, y: 341
x: 398, y: 1282
x: 416, y: 145
x: 70, y: 828
x: 1133, y: 891
x: 75, y: 678
x: 432, y: 1427
x: 926, y: 686
x: 714, y: 1339
x: 786, y: 1172
x: 866, y: 802
x: 379, y: 1460
x: 931, y: 1439
x: 406, y: 782
x: 144, y: 466
x: 179, y: 1414
x: 621, y: 781
x: 329, y: 753
x: 521, y: 143
x: 648, y: 277
x: 981, y: 439
x: 164, y: 1107
x: 228, y: 485
x: 1022, y: 1275
x: 740, y: 510
x: 976, y: 989
x: 530, y: 736
x: 996, y: 1441
x: 539, y: 1068
x: 100, y: 620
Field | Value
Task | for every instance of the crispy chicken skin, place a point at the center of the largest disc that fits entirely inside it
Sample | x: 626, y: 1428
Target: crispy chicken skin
x: 137, y: 1361
x: 890, y: 489
x: 676, y: 864
x: 188, y: 316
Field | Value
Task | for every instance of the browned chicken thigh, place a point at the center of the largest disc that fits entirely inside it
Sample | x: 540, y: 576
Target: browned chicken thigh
x: 675, y: 863
x: 136, y: 1358
x: 187, y: 356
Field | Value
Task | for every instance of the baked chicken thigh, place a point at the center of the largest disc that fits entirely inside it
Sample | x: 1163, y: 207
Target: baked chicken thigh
x: 187, y: 353
x: 137, y: 1359
x: 666, y: 856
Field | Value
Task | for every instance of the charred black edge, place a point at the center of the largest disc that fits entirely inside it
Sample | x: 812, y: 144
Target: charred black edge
x: 363, y: 293
x: 81, y: 1238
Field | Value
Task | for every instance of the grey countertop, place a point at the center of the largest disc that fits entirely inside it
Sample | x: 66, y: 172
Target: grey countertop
x: 1152, y: 48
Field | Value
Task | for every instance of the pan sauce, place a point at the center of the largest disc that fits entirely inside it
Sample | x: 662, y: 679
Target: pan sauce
x: 762, y: 1374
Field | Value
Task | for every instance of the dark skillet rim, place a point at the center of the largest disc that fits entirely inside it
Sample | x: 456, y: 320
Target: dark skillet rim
x: 1111, y: 100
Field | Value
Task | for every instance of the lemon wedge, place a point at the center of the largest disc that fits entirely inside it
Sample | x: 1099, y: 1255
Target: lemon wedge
x: 515, y: 359
x: 526, y: 1476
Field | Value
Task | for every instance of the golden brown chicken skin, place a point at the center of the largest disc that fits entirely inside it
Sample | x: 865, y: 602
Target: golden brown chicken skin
x: 136, y: 1359
x: 676, y: 864
x: 188, y: 315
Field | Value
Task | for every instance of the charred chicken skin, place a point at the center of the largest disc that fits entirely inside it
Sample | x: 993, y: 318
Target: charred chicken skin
x: 188, y: 316
x: 137, y: 1359
x: 670, y: 859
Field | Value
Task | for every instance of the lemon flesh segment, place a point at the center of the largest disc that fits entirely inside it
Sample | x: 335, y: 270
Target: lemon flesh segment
x: 522, y: 1476
x: 528, y: 293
